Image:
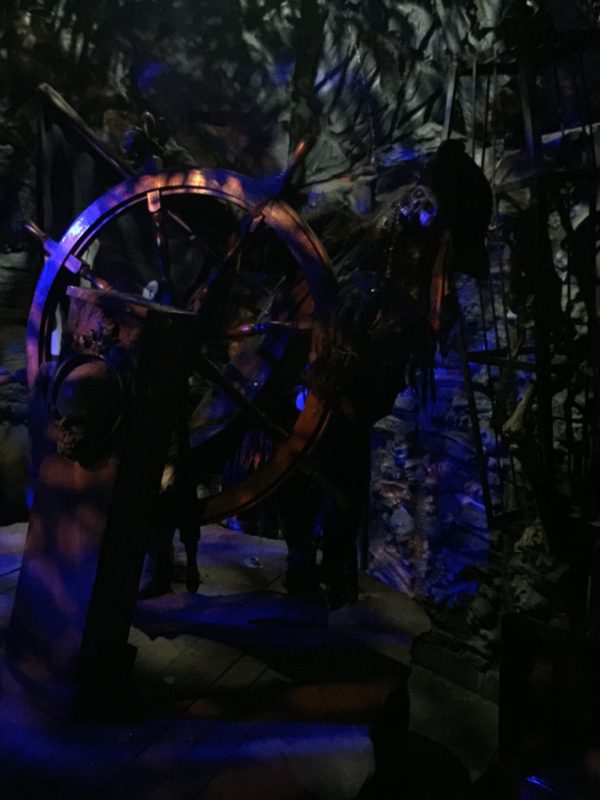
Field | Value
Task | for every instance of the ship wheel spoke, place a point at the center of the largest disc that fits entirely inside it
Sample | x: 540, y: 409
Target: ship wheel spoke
x: 255, y: 274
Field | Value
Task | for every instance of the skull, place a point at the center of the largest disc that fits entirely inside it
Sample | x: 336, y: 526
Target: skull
x: 420, y: 205
x: 86, y: 403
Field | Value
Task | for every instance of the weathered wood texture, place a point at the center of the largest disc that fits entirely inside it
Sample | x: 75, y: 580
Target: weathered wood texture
x: 238, y: 691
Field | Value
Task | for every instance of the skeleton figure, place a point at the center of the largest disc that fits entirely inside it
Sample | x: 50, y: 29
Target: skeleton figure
x: 86, y: 406
x: 390, y: 315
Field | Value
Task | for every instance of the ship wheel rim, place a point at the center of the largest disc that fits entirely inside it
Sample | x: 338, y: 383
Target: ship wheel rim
x: 247, y: 194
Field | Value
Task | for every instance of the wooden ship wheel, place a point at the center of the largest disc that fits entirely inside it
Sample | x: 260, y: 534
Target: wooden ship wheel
x: 216, y: 243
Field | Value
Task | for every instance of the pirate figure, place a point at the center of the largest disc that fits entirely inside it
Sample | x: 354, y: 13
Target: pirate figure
x: 394, y: 306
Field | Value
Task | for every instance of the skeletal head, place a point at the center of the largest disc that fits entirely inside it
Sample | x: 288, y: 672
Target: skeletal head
x: 86, y: 401
x: 420, y: 205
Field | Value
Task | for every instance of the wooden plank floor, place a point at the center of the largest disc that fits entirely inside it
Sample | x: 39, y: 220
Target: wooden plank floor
x: 238, y: 691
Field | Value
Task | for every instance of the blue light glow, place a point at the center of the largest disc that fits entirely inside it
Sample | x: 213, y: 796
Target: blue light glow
x: 281, y: 72
x: 427, y: 218
x: 29, y: 495
x: 535, y: 780
x: 148, y: 73
x: 302, y: 394
x: 548, y: 790
x: 233, y: 524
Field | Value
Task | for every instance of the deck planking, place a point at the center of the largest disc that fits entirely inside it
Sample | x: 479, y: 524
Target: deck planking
x: 238, y: 686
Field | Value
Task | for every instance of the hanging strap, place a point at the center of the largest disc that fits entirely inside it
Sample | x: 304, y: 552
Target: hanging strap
x: 440, y: 285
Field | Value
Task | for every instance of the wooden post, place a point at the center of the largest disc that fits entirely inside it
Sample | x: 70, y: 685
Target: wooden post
x: 90, y: 525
